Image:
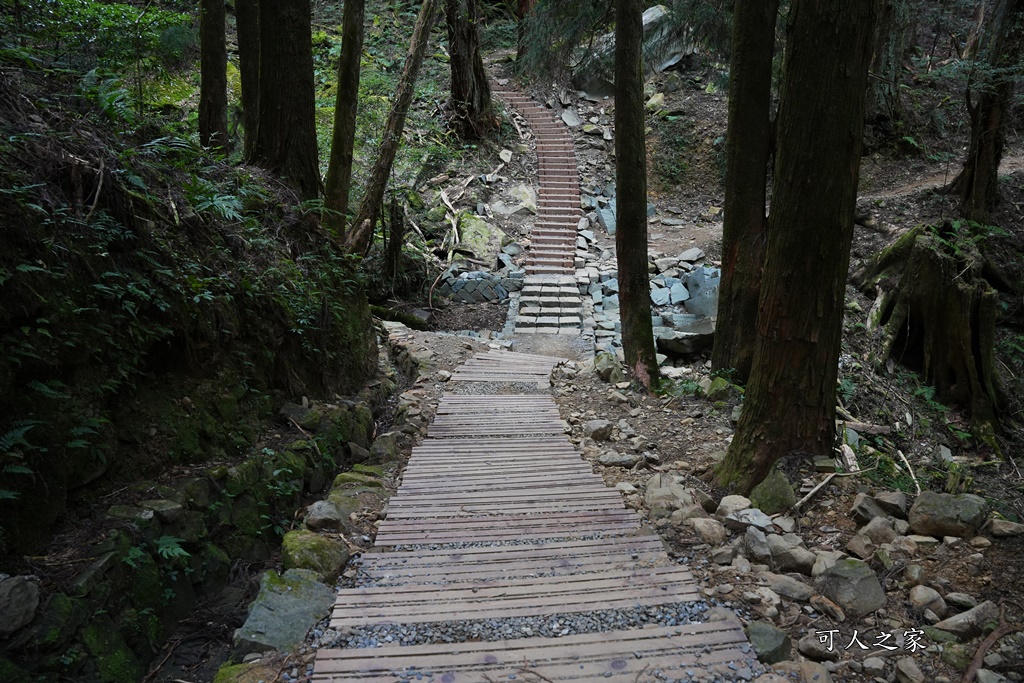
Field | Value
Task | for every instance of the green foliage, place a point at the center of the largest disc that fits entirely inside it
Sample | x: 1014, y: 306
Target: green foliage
x: 847, y: 388
x: 555, y: 29
x: 671, y: 153
x: 169, y: 548
x: 13, y: 449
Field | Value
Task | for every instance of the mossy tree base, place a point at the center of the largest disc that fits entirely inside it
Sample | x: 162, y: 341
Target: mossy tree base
x: 936, y: 313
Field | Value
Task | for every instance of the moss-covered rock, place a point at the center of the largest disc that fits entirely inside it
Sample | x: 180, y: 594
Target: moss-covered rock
x: 302, y: 549
x: 387, y: 447
x: 245, y: 673
x: 115, y: 660
x: 146, y: 590
x: 774, y: 494
x: 215, y: 567
x: 350, y: 479
x: 721, y: 389
x: 12, y: 673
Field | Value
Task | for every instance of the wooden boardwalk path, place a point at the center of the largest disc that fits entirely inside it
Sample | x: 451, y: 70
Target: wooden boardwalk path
x: 499, y: 519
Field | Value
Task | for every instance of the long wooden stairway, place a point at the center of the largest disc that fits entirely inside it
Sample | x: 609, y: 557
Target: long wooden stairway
x: 500, y: 529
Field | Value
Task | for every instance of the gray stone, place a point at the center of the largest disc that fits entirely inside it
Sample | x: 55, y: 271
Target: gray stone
x: 874, y: 666
x: 19, y: 599
x: 774, y: 494
x: 663, y: 264
x: 861, y: 546
x: 285, y: 609
x: 731, y: 504
x: 907, y: 671
x: 945, y: 514
x: 598, y: 430
x: 989, y: 676
x: 678, y: 293
x: 686, y: 342
x: 738, y: 521
x: 925, y: 598
x: 756, y: 545
x: 711, y: 531
x: 302, y: 549
x: 812, y: 647
x: 606, y: 217
x: 853, y: 586
x: 702, y: 284
x: 770, y: 644
x: 616, y: 459
x: 893, y: 502
x: 789, y: 557
x: 962, y: 601
x: 167, y: 511
x: 879, y: 530
x: 865, y: 508
x: 323, y: 515
x: 1002, y: 528
x: 608, y: 368
x: 571, y: 118
x: 660, y: 296
x: 825, y: 560
x: 691, y: 255
x: 788, y: 587
x: 968, y: 624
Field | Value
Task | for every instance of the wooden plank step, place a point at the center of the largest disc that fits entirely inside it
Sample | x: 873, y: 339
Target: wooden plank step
x: 624, y: 544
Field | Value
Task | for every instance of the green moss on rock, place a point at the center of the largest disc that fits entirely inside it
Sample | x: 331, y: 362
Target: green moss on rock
x: 350, y: 479
x: 774, y: 494
x: 302, y: 549
x: 114, y: 659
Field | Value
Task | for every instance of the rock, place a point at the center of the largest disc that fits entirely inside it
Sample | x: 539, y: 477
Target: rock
x: 526, y: 195
x: 606, y: 218
x: 968, y: 624
x: 571, y: 118
x: 505, y: 155
x: 827, y: 607
x: 598, y: 430
x: 692, y: 255
x: 879, y: 530
x: 825, y: 560
x: 808, y: 672
x: 861, y: 546
x: 167, y: 511
x: 789, y: 557
x: 945, y: 514
x: 771, y: 678
x: 774, y: 494
x: 616, y: 459
x: 961, y: 601
x: 788, y: 587
x: 323, y: 515
x: 324, y: 556
x: 1002, y: 528
x: 893, y: 502
x: 812, y: 647
x: 925, y: 598
x: 285, y: 609
x: 907, y: 671
x: 853, y: 586
x: 722, y: 389
x: 710, y: 531
x: 703, y: 283
x: 756, y: 545
x: 663, y: 264
x: 989, y: 676
x: 770, y: 644
x: 678, y: 293
x: 731, y: 504
x: 865, y: 508
x: 697, y: 336
x: 607, y: 368
x: 738, y: 521
x: 874, y: 666
x: 478, y: 237
x: 656, y: 102
x: 19, y: 599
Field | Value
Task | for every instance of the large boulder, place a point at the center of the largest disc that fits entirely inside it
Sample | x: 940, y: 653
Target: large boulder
x: 945, y: 514
x: 853, y: 586
x: 774, y: 494
x: 286, y: 608
x: 770, y: 644
x: 19, y: 598
x: 479, y: 238
x: 692, y: 337
x: 968, y: 624
x: 301, y: 549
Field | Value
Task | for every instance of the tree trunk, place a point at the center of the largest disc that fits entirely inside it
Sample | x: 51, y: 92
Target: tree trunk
x: 790, y: 400
x: 523, y: 7
x: 339, y: 170
x: 631, y: 190
x: 978, y: 182
x: 937, y: 316
x: 213, y: 80
x: 884, y: 106
x: 360, y: 237
x: 747, y: 149
x: 286, y: 127
x: 396, y: 239
x: 247, y: 24
x: 470, y: 105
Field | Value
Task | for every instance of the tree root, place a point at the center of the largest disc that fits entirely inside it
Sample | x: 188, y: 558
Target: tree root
x: 1005, y: 628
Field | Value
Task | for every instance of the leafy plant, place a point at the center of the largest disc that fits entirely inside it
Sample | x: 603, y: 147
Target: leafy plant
x: 169, y: 548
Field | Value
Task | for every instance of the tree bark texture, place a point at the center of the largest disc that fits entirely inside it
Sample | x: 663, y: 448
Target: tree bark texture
x: 339, y: 169
x: 360, y: 237
x: 213, y: 79
x: 790, y: 400
x: 247, y: 24
x: 286, y: 128
x: 747, y: 149
x: 631, y: 190
x: 470, y: 106
x: 523, y: 7
x: 978, y: 183
x: 892, y: 38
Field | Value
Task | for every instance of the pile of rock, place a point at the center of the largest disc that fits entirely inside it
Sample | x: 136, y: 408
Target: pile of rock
x: 478, y: 286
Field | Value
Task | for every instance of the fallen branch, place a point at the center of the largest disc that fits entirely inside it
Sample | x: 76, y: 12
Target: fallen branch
x: 96, y: 199
x: 1004, y: 629
x: 810, y: 494
x: 910, y: 469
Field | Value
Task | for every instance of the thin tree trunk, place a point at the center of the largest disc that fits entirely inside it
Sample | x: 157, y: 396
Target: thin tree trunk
x: 884, y: 104
x: 339, y: 170
x: 790, y: 400
x: 978, y: 182
x: 360, y: 237
x: 631, y: 190
x: 523, y: 7
x: 747, y: 149
x: 396, y: 239
x: 247, y: 23
x: 286, y: 130
x: 471, y: 111
x: 213, y: 80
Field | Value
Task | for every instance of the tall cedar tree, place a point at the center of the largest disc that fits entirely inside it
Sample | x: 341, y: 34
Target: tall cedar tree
x: 213, y: 79
x: 978, y: 182
x: 523, y: 7
x: 360, y: 237
x: 339, y: 169
x: 631, y: 189
x: 892, y: 40
x: 790, y: 399
x: 747, y: 149
x: 247, y: 24
x: 286, y: 126
x: 472, y: 115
